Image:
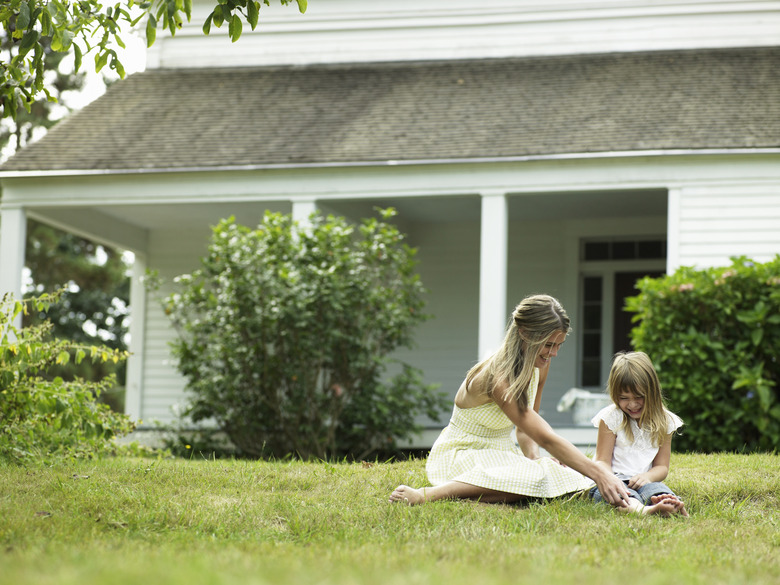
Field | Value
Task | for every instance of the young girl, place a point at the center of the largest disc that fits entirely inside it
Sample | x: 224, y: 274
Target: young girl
x: 635, y: 436
x: 475, y: 456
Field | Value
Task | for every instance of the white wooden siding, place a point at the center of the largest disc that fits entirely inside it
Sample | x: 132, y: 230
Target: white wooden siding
x: 338, y: 31
x: 717, y: 221
x: 175, y: 253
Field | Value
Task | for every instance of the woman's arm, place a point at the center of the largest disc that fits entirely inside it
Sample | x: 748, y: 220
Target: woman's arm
x: 533, y: 425
x: 659, y: 469
x: 527, y: 444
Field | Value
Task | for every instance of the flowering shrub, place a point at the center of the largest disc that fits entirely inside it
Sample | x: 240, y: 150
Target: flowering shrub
x: 42, y: 416
x: 714, y: 336
x: 284, y: 335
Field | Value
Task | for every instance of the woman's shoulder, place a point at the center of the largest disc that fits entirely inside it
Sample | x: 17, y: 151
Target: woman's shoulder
x: 472, y: 393
x: 611, y: 415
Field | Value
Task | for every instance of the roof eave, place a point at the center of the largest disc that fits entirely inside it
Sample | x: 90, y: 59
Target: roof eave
x: 393, y: 163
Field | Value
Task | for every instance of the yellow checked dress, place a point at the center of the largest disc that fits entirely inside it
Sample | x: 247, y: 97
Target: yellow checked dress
x: 478, y: 448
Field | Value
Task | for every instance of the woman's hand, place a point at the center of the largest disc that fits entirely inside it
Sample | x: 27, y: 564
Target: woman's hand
x: 612, y: 489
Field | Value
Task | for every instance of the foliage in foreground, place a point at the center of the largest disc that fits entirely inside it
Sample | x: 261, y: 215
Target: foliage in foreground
x: 91, y: 27
x: 126, y: 521
x: 93, y: 304
x: 714, y: 335
x: 285, y: 333
x: 42, y: 416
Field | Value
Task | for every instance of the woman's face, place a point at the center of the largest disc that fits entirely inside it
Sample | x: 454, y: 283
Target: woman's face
x: 550, y: 349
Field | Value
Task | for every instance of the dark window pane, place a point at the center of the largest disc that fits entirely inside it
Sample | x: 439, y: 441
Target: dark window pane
x: 596, y: 251
x: 591, y: 345
x: 623, y: 250
x: 652, y: 250
x: 591, y: 372
x: 592, y: 317
x: 592, y: 289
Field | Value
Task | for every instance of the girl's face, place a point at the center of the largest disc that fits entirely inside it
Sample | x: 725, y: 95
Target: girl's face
x: 631, y: 404
x: 550, y: 349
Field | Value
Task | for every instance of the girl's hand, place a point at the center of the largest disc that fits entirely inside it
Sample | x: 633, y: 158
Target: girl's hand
x: 639, y: 480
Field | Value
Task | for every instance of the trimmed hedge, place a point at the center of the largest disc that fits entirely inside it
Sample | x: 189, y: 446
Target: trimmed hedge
x: 714, y: 336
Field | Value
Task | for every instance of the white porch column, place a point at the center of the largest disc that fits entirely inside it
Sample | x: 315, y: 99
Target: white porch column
x: 492, y: 272
x: 301, y: 210
x: 673, y: 230
x: 134, y: 381
x: 13, y: 235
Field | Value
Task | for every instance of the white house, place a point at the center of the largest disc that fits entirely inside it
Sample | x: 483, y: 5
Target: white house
x: 559, y: 146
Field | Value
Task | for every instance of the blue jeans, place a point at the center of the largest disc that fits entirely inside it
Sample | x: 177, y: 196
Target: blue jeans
x: 643, y: 494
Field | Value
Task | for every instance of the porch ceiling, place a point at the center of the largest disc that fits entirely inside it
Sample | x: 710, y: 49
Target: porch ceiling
x: 440, y: 209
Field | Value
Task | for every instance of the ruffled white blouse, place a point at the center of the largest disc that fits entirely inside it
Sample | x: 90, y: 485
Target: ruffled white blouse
x: 630, y: 458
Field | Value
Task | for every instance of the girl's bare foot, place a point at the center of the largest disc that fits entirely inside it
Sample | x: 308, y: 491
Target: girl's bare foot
x: 679, y: 506
x: 663, y: 507
x: 408, y: 495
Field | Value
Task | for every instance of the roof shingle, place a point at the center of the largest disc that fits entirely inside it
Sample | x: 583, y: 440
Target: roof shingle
x: 212, y: 118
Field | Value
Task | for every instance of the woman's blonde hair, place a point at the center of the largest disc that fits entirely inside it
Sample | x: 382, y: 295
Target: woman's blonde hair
x: 533, y: 322
x: 634, y: 372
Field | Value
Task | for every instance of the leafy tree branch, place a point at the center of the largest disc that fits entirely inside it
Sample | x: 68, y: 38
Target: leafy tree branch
x: 89, y: 27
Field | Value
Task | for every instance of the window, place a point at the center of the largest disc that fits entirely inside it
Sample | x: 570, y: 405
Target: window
x: 610, y: 269
x: 592, y: 307
x: 624, y: 250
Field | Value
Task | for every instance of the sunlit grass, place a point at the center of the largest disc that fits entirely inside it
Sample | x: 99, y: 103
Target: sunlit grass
x: 174, y: 521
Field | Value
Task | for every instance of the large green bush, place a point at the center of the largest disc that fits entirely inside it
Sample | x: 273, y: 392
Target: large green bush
x: 285, y: 332
x: 43, y: 416
x: 714, y: 336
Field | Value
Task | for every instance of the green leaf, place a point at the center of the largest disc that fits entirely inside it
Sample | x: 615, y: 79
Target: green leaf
x: 217, y: 16
x: 29, y: 40
x: 117, y: 66
x: 151, y: 31
x: 252, y: 13
x: 207, y: 24
x: 77, y: 57
x: 46, y: 24
x: 62, y: 41
x: 23, y: 18
x: 235, y: 28
x: 302, y: 5
x: 100, y: 61
x: 757, y: 335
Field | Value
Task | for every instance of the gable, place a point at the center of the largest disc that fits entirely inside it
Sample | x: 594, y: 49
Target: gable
x: 178, y: 119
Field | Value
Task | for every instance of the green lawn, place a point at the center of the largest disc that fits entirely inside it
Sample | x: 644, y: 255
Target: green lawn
x: 170, y: 522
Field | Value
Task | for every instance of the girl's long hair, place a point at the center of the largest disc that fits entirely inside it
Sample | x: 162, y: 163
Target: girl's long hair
x: 533, y: 322
x: 634, y: 372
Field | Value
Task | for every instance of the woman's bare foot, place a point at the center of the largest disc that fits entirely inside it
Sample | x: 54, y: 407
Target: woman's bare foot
x: 677, y: 503
x: 408, y: 495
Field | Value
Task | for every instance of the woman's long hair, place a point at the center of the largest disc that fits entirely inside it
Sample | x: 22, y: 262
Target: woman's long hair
x: 533, y: 322
x: 634, y: 372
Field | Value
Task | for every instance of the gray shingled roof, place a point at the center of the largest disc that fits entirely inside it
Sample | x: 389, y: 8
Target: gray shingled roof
x: 163, y: 119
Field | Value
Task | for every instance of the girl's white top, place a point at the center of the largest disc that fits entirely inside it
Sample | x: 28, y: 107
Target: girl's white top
x: 630, y: 458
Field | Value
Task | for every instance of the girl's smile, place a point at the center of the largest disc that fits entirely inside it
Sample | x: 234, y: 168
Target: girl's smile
x: 631, y: 404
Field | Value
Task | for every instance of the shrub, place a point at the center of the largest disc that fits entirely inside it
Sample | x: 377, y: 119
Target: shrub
x: 714, y: 336
x: 285, y: 332
x: 40, y: 416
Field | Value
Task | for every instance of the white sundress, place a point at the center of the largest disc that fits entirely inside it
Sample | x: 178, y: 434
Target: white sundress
x: 477, y: 448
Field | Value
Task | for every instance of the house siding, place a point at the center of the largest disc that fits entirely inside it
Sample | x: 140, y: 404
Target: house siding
x: 719, y: 221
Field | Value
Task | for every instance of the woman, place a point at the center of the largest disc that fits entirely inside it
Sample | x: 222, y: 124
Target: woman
x: 475, y: 457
